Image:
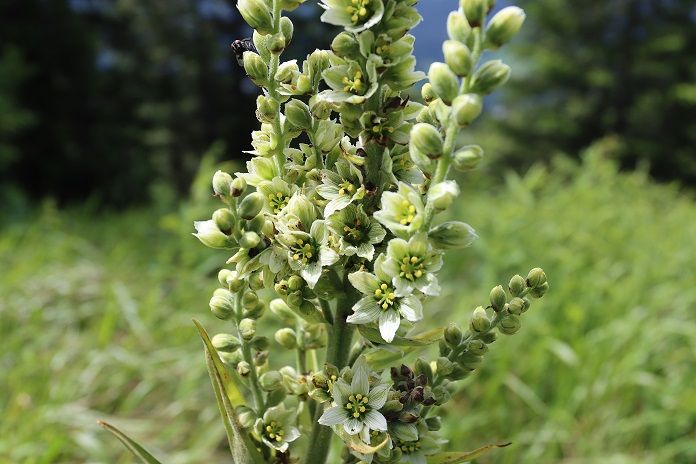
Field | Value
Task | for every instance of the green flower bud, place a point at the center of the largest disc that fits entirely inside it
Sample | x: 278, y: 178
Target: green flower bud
x: 476, y: 347
x: 256, y: 281
x: 453, y: 334
x: 230, y: 358
x: 303, y: 84
x: 256, y: 224
x: 504, y: 25
x: 536, y: 277
x: 443, y: 348
x: 498, y: 298
x: 238, y: 187
x: 226, y: 342
x: 320, y: 109
x: 287, y: 338
x: 266, y: 109
x: 249, y: 240
x: 255, y: 68
x: 271, y: 380
x: 488, y: 337
x: 466, y: 108
x: 345, y: 45
x: 289, y: 5
x: 444, y: 366
x: 276, y: 44
x: 433, y: 423
x: 260, y: 343
x: 257, y: 14
x: 517, y: 285
x: 234, y: 283
x: 479, y: 320
x: 210, y: 235
x: 467, y: 158
x: 295, y: 299
x: 250, y: 299
x: 286, y: 71
x: 221, y: 183
x: 422, y: 367
x: 281, y: 288
x: 260, y: 358
x: 509, y: 325
x: 246, y: 416
x: 298, y: 114
x: 247, y: 328
x: 516, y: 306
x: 441, y: 195
x: 444, y: 82
x: 287, y: 28
x: 452, y: 234
x: 457, y: 57
x: 475, y: 11
x: 251, y: 205
x: 392, y: 406
x: 428, y: 93
x: 458, y: 27
x: 441, y: 394
x: 539, y: 291
x: 490, y: 76
x: 223, y: 274
x: 527, y: 304
x: 470, y: 361
x: 427, y: 139
x: 260, y: 44
x: 243, y: 368
x: 282, y: 311
x: 222, y: 304
x: 295, y: 283
x: 256, y: 311
x: 224, y: 219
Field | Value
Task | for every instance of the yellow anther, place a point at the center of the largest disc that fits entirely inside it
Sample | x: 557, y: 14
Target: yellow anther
x: 356, y: 414
x: 384, y: 286
x: 414, y: 259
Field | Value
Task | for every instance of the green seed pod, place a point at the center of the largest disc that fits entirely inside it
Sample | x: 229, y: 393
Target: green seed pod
x: 255, y: 312
x: 475, y: 11
x: 467, y: 158
x: 234, y: 283
x: 498, y: 298
x: 504, y: 25
x: 287, y: 71
x: 490, y: 76
x: 221, y: 183
x: 517, y: 285
x: 257, y: 14
x: 276, y: 44
x: 509, y: 325
x: 453, y: 335
x: 444, y: 82
x: 222, y: 304
x: 260, y: 343
x: 256, y: 68
x: 479, y: 320
x: 539, y: 291
x: 457, y: 57
x: 243, y: 368
x: 246, y: 416
x: 247, y: 328
x: 433, y: 423
x: 444, y: 366
x: 458, y: 27
x: 428, y: 93
x: 287, y: 338
x: 250, y: 299
x: 466, y: 108
x: 238, y: 187
x: 452, y: 234
x: 427, y: 139
x: 422, y: 367
x: 249, y: 240
x: 266, y: 109
x: 283, y: 311
x: 226, y: 342
x: 223, y: 274
x: 287, y: 28
x: 251, y: 205
x: 224, y: 219
x: 516, y: 306
x: 271, y: 380
x: 536, y: 277
x: 297, y: 112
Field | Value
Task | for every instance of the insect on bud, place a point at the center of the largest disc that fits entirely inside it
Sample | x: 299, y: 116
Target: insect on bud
x: 247, y: 328
x: 452, y: 234
x: 271, y: 380
x: 490, y: 76
x: 475, y: 11
x: 286, y: 338
x: 504, y: 25
x: 457, y: 57
x: 251, y: 205
x: 257, y: 14
x: 510, y: 325
x: 226, y: 342
x: 255, y: 68
x: 479, y: 320
x: 224, y: 220
x: 453, y: 334
x: 297, y: 112
x: 444, y: 82
x: 467, y: 158
x: 466, y: 108
x: 458, y: 27
x: 498, y: 298
x: 221, y: 183
x: 427, y: 139
x: 517, y: 285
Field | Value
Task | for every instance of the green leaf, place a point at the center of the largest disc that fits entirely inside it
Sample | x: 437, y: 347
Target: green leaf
x: 242, y: 447
x: 422, y: 339
x: 457, y: 457
x: 137, y: 450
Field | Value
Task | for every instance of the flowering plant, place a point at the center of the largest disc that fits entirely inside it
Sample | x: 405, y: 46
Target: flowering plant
x: 334, y: 224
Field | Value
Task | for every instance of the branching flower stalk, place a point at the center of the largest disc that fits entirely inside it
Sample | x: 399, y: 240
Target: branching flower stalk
x: 334, y: 224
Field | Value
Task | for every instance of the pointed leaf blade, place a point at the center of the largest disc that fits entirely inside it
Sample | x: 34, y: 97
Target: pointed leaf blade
x: 135, y: 448
x: 457, y: 457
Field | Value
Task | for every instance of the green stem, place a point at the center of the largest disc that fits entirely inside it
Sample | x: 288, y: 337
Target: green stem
x: 246, y: 354
x: 443, y: 166
x: 273, y: 93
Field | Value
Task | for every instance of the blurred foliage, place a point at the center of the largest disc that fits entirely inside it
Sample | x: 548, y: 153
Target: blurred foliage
x: 584, y: 71
x: 122, y: 93
x: 95, y: 323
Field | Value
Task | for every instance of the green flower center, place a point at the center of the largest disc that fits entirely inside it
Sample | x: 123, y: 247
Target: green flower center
x: 385, y: 296
x: 357, y: 10
x: 354, y: 85
x: 274, y: 431
x: 357, y: 405
x: 278, y: 201
x: 412, y: 267
x: 354, y: 234
x: 346, y: 188
x: 409, y: 447
x: 407, y: 213
x: 302, y: 251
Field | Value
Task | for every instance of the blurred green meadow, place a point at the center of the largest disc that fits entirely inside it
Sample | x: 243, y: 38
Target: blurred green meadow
x: 96, y: 308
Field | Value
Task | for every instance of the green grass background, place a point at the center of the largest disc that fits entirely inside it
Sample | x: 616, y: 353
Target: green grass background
x: 95, y: 324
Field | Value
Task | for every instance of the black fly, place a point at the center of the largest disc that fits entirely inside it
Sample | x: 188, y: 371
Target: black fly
x: 241, y: 46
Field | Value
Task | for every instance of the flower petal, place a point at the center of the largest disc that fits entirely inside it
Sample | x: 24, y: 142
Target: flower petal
x: 375, y: 420
x: 378, y: 396
x: 333, y: 416
x: 292, y: 434
x: 389, y: 322
x: 366, y: 250
x: 360, y: 383
x: 366, y: 310
x: 352, y: 426
x: 311, y: 273
x: 411, y: 308
x: 364, y: 281
x: 336, y: 204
